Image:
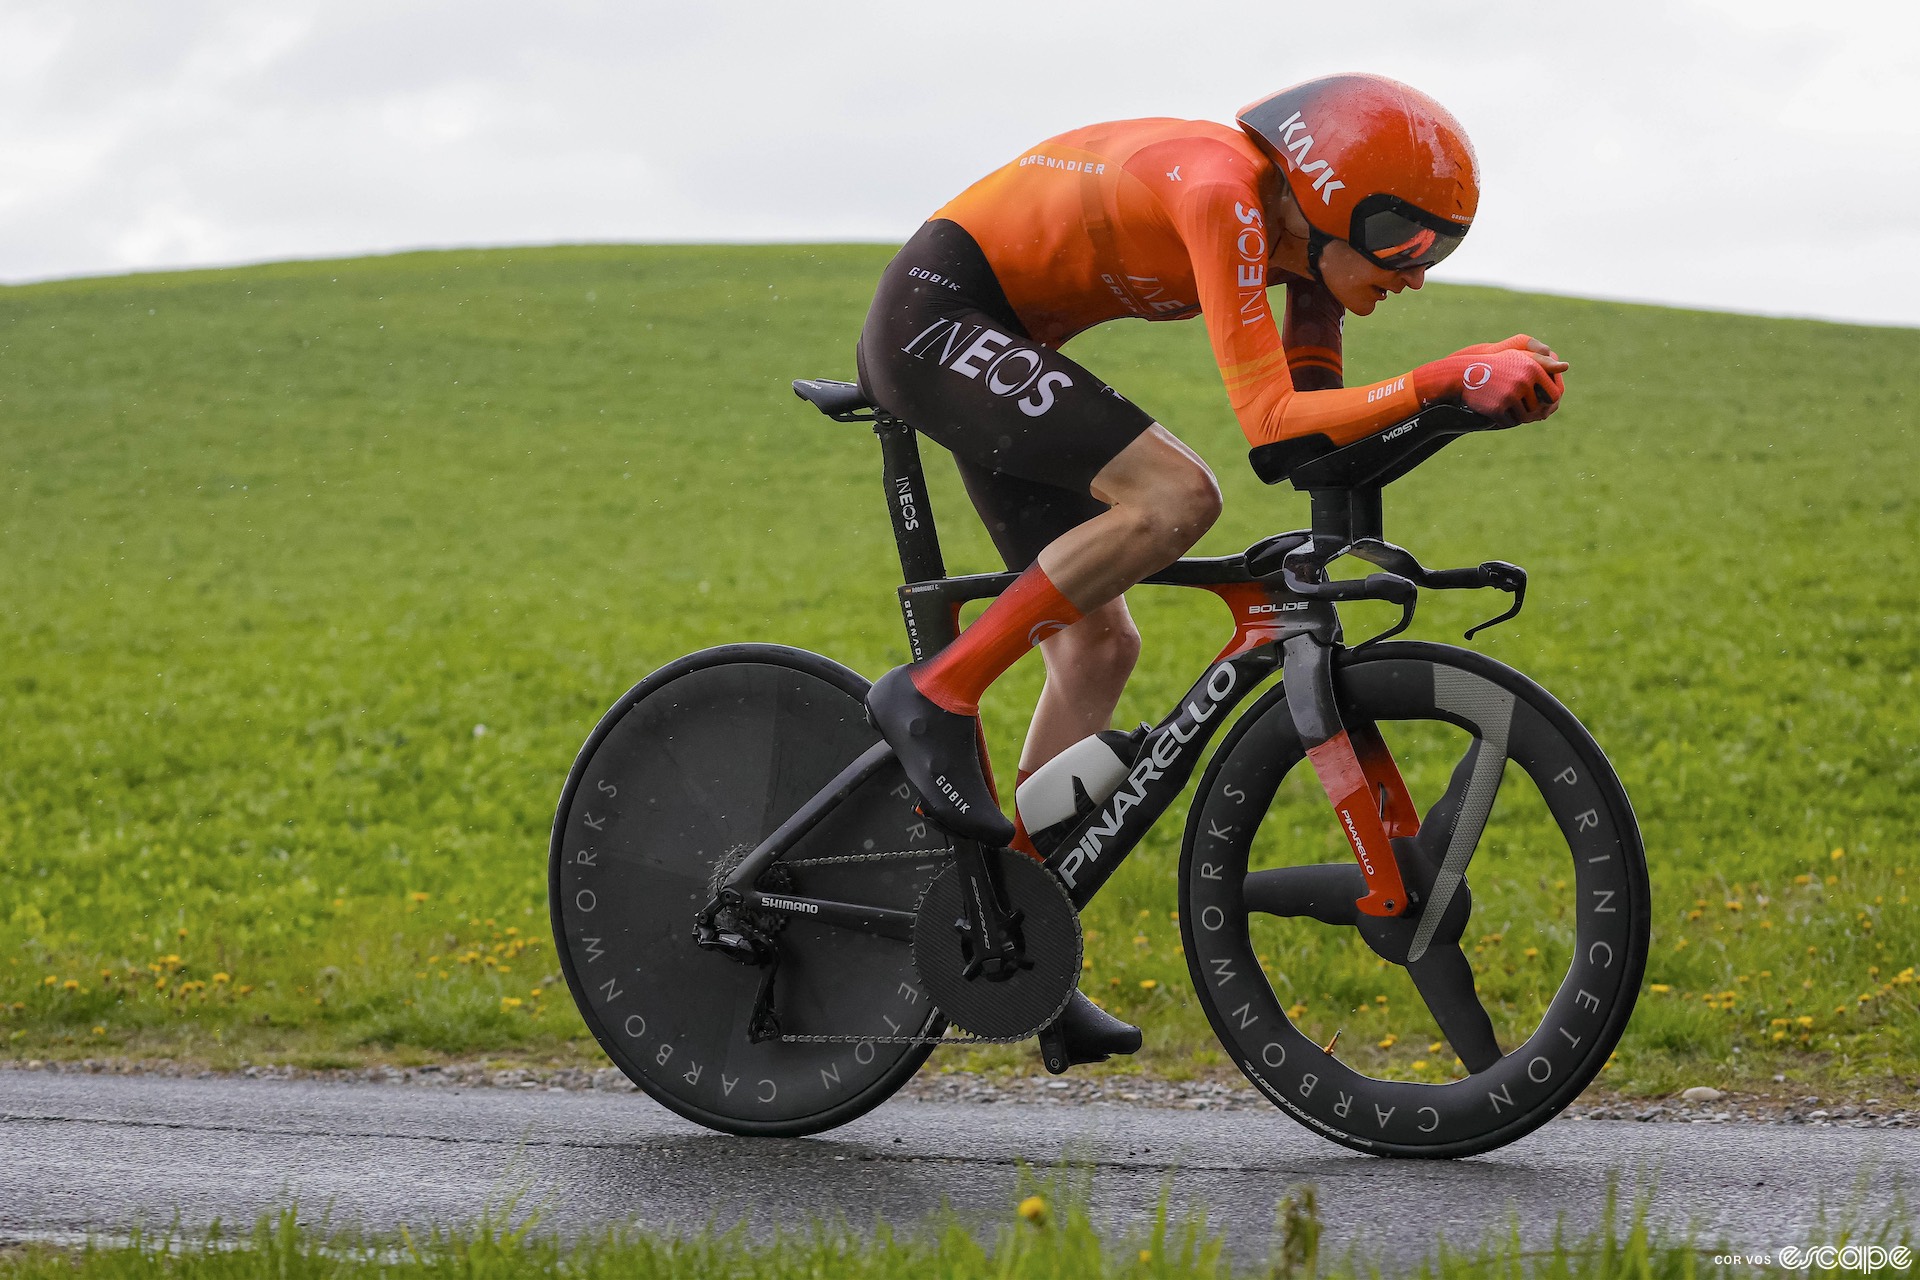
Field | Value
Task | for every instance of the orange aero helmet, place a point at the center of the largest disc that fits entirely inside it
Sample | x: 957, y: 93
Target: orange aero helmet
x: 1372, y: 162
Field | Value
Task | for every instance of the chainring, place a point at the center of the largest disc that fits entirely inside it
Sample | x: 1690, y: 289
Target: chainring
x: 1022, y: 1004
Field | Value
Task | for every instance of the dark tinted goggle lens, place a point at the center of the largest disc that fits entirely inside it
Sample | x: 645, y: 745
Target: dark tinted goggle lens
x: 1390, y: 239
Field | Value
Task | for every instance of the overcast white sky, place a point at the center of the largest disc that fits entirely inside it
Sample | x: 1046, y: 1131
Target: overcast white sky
x: 1758, y: 155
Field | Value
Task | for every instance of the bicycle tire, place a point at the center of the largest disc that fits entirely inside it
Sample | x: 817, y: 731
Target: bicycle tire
x: 690, y: 769
x: 1605, y: 950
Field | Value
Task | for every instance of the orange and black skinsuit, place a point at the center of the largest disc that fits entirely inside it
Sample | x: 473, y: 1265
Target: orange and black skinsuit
x: 1156, y: 219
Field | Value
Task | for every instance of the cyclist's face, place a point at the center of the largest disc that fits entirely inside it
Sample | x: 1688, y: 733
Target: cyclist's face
x: 1358, y: 284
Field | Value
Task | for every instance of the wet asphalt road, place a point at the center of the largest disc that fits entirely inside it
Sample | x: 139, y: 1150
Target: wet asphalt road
x: 99, y: 1153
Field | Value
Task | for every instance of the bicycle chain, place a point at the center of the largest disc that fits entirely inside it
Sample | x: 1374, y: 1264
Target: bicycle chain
x: 904, y: 1039
x: 879, y: 856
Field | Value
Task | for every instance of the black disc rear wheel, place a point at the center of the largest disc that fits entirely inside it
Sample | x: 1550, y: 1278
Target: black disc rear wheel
x: 1481, y: 1014
x: 689, y: 771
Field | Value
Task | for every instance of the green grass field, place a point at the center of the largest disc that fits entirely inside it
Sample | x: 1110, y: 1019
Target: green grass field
x: 316, y: 575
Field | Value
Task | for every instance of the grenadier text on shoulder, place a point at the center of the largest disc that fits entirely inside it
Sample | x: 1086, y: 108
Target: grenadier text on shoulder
x: 1046, y: 161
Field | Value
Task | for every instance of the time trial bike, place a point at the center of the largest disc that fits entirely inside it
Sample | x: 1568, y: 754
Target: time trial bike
x: 764, y: 934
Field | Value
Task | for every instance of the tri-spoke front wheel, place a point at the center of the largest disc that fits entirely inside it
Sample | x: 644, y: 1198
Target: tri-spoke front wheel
x: 1481, y: 1013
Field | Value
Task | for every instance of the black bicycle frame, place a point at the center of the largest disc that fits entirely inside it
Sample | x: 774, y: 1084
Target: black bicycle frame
x: 930, y: 605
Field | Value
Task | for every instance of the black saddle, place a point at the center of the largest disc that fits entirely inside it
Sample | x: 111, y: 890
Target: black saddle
x: 841, y: 401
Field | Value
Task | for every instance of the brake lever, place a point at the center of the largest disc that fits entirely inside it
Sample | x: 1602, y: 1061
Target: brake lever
x: 1503, y: 577
x: 1406, y: 620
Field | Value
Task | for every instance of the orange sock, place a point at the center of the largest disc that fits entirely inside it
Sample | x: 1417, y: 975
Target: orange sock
x: 1025, y: 614
x: 1022, y: 842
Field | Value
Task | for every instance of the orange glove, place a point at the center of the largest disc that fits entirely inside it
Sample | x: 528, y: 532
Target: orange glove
x: 1518, y: 342
x: 1511, y: 382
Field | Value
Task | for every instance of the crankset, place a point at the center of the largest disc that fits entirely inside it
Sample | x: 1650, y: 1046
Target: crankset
x: 996, y: 944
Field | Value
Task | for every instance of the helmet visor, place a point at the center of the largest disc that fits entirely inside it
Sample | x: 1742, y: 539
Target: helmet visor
x: 1397, y: 236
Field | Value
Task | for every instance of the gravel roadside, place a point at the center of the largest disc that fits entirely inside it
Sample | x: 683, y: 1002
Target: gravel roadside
x: 1694, y: 1106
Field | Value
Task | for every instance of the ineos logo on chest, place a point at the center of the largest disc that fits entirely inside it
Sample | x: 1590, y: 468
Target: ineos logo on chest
x: 981, y: 353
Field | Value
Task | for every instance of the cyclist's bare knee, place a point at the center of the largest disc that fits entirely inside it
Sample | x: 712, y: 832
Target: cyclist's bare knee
x: 1164, y: 488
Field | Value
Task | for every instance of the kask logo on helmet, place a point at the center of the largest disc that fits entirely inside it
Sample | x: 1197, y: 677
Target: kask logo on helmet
x: 978, y: 352
x: 1295, y: 150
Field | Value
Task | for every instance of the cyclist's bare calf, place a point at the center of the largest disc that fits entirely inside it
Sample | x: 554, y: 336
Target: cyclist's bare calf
x: 1087, y: 669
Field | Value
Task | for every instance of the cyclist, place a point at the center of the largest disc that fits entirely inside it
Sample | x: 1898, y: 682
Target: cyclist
x: 1346, y: 189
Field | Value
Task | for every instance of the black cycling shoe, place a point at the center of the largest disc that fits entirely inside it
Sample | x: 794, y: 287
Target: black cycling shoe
x: 1085, y: 1033
x: 941, y: 754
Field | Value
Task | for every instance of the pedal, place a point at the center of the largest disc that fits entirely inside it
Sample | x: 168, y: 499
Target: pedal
x: 1084, y: 1034
x: 1053, y: 1049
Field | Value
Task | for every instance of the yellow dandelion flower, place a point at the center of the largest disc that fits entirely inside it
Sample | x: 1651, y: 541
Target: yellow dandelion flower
x: 509, y: 1002
x: 1086, y: 964
x: 1803, y: 879
x: 1148, y: 984
x: 1436, y: 1046
x: 417, y: 896
x: 1837, y: 854
x: 1034, y: 1210
x: 1660, y: 988
x: 99, y: 1031
x: 1531, y: 953
x: 51, y: 980
x: 1804, y: 1020
x: 1389, y: 1040
x: 71, y: 984
x: 1419, y: 1064
x: 221, y: 978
